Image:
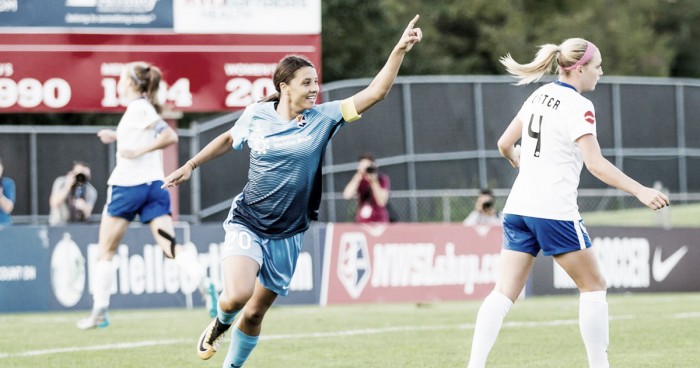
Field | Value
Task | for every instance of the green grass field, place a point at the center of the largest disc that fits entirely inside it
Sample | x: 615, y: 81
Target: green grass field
x: 647, y: 330
x: 678, y: 216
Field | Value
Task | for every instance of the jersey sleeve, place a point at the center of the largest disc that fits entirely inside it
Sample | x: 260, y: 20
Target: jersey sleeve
x: 332, y: 110
x: 582, y: 121
x: 142, y: 114
x: 241, y: 129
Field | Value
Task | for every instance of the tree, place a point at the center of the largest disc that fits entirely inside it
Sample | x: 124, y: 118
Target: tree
x: 637, y: 37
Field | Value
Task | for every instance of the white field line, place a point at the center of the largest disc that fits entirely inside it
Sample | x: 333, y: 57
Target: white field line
x: 368, y: 331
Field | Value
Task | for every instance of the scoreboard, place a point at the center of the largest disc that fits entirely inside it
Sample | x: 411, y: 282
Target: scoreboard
x: 214, y: 55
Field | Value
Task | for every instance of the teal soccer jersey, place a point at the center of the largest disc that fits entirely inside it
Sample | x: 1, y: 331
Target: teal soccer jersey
x: 283, y: 192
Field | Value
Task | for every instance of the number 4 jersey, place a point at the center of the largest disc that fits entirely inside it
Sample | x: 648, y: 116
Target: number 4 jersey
x: 553, y: 117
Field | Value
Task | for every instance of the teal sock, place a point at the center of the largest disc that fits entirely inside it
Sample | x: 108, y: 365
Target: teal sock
x: 225, y: 318
x: 241, y: 347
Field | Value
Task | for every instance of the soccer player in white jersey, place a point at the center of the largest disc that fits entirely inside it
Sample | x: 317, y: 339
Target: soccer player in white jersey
x: 557, y: 129
x: 287, y: 134
x: 135, y: 187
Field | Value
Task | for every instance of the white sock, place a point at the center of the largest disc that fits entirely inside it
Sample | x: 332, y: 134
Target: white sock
x: 488, y: 323
x: 103, y: 285
x: 593, y: 323
x: 188, y: 261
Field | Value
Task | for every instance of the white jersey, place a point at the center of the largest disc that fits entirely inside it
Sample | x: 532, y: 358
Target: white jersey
x: 553, y: 117
x: 136, y: 129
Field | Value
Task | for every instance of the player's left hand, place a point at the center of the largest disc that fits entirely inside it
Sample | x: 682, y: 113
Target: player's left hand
x: 411, y: 35
x: 177, y: 177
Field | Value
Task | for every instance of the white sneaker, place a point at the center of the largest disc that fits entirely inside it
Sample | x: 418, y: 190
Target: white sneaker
x: 97, y: 319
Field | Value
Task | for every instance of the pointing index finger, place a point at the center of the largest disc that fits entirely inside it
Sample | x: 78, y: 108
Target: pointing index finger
x: 412, y: 22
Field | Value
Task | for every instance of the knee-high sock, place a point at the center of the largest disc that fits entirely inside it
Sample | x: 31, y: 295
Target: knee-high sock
x: 103, y: 285
x: 593, y: 323
x: 488, y: 323
x: 225, y: 317
x: 239, y: 350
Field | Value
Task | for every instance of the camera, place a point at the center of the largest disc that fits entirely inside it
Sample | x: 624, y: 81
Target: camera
x: 487, y: 204
x: 79, y: 191
x: 80, y: 186
x: 371, y: 169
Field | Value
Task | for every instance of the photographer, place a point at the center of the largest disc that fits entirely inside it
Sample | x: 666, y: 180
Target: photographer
x: 7, y: 198
x: 371, y: 189
x: 72, y: 196
x: 484, y: 212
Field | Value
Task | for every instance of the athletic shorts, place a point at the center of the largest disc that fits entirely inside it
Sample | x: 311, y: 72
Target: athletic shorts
x: 277, y: 258
x: 530, y: 234
x: 146, y: 200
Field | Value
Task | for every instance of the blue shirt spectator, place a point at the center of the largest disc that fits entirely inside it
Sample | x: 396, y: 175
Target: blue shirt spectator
x: 7, y: 198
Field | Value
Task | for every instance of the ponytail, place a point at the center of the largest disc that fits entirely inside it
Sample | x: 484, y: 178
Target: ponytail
x: 275, y: 97
x: 550, y: 59
x: 542, y: 65
x: 146, y: 78
x: 153, y: 87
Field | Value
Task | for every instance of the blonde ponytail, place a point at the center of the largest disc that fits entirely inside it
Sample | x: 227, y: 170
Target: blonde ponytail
x: 550, y: 59
x: 543, y: 64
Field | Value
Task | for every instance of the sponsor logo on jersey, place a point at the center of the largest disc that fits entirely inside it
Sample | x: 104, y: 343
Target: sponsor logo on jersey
x: 589, y: 117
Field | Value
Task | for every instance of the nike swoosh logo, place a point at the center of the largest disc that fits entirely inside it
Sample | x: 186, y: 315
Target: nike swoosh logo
x: 660, y: 269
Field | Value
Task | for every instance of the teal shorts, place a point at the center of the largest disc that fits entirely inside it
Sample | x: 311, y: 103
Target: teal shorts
x: 277, y: 258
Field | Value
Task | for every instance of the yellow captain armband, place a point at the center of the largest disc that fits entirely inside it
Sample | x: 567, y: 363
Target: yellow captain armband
x: 347, y: 108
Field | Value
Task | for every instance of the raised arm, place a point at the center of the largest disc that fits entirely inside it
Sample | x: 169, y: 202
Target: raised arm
x: 608, y: 173
x: 382, y: 82
x: 215, y: 148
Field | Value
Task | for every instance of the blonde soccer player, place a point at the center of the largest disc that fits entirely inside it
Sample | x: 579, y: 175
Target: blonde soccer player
x: 557, y: 129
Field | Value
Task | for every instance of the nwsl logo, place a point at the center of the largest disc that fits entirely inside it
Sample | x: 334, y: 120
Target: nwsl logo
x: 354, y: 267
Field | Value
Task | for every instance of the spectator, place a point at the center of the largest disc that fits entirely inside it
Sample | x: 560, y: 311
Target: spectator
x: 7, y: 198
x: 72, y: 196
x: 484, y: 212
x: 371, y: 188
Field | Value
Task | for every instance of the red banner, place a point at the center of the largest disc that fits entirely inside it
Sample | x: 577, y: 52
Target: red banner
x: 79, y: 72
x: 409, y: 263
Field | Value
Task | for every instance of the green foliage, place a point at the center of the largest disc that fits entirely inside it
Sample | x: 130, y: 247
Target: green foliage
x: 636, y: 37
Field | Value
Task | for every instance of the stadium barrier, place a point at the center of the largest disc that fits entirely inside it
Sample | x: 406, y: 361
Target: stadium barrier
x: 49, y: 268
x: 632, y: 260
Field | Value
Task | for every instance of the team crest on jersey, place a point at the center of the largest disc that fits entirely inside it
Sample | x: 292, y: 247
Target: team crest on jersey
x: 301, y: 121
x: 589, y: 117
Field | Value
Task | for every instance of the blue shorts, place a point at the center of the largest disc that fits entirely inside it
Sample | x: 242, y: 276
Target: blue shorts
x: 277, y: 258
x: 146, y: 200
x: 530, y: 234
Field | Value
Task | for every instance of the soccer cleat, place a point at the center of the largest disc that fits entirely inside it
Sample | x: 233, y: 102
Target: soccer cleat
x: 98, y: 319
x: 210, y: 339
